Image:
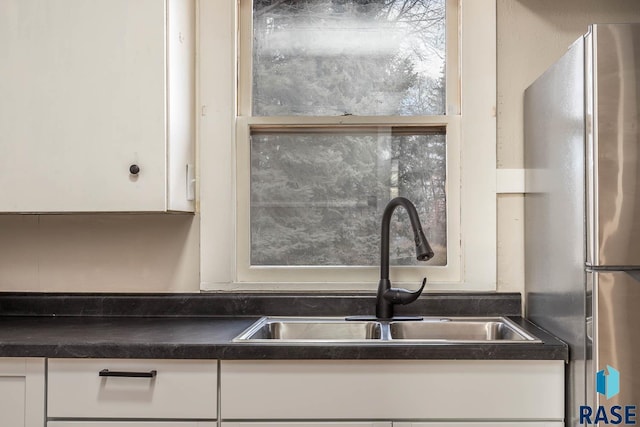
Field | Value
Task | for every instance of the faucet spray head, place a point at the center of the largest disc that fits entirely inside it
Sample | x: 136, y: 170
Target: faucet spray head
x: 423, y: 249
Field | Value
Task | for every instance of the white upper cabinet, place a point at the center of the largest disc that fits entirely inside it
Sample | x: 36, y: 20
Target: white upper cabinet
x: 88, y: 89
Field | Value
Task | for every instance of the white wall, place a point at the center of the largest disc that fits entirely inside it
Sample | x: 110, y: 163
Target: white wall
x: 532, y: 34
x: 160, y: 253
x: 99, y: 253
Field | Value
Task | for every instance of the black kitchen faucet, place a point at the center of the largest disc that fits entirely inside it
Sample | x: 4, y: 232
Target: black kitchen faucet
x: 387, y: 296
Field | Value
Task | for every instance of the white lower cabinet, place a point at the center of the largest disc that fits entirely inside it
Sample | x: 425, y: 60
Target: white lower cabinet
x: 296, y: 393
x: 449, y: 393
x: 491, y: 424
x: 22, y: 394
x: 131, y: 424
x: 122, y: 391
x: 396, y: 424
x: 310, y: 424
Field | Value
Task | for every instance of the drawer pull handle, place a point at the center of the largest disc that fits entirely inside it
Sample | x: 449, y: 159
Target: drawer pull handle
x: 108, y: 373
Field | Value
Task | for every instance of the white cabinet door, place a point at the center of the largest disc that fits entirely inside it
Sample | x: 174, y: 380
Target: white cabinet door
x: 131, y: 424
x: 83, y: 97
x: 22, y: 392
x: 307, y: 424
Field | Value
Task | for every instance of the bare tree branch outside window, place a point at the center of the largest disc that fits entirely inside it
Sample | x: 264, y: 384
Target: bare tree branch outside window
x: 335, y: 57
x: 317, y: 195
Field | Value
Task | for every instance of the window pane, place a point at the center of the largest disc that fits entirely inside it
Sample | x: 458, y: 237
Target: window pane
x: 336, y: 57
x: 317, y: 196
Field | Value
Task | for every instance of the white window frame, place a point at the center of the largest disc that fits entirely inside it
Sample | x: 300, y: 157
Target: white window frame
x: 223, y: 153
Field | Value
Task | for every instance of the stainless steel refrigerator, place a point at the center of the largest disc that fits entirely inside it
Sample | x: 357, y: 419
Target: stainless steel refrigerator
x: 582, y: 212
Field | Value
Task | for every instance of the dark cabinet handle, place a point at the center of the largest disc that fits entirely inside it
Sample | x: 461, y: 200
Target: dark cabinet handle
x: 108, y: 373
x: 134, y: 169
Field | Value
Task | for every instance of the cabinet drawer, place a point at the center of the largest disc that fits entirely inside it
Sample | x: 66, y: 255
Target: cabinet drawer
x: 131, y: 424
x: 399, y: 390
x: 182, y: 389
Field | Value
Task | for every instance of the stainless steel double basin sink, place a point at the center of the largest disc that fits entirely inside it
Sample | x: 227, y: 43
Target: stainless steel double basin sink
x: 428, y: 330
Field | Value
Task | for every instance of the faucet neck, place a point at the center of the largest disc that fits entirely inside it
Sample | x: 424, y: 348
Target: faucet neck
x: 386, y: 223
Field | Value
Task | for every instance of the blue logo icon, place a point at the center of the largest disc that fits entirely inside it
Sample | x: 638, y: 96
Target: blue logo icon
x: 608, y: 384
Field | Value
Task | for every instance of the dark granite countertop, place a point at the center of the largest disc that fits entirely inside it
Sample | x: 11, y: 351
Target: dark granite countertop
x: 202, y: 326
